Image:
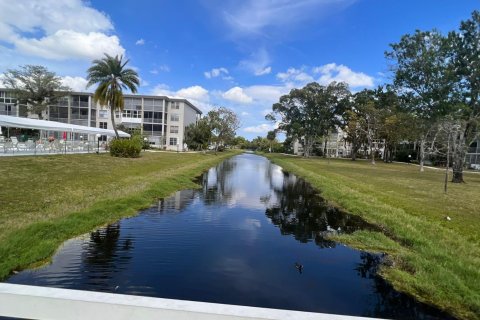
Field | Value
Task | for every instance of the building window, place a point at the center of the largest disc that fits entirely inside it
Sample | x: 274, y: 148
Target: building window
x: 173, y: 129
x: 8, y: 108
x: 173, y: 141
x: 103, y: 113
x: 102, y: 125
x: 175, y: 105
x: 174, y: 117
x: 132, y: 114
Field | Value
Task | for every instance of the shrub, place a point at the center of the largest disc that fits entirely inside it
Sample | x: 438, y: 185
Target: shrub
x: 126, y: 148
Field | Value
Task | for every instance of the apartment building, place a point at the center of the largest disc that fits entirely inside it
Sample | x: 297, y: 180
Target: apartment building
x: 338, y: 147
x: 159, y: 118
x: 473, y: 155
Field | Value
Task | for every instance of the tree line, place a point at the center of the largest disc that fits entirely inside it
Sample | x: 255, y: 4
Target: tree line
x: 432, y: 102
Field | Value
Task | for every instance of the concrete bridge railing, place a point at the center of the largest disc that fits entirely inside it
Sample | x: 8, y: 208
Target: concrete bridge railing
x: 33, y: 302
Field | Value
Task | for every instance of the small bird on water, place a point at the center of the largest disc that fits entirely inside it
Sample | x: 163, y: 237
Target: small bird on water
x: 299, y: 267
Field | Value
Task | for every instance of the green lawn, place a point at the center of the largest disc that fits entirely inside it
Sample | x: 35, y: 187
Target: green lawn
x: 435, y: 260
x: 46, y: 200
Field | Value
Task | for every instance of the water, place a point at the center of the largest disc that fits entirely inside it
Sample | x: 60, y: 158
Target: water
x: 238, y: 240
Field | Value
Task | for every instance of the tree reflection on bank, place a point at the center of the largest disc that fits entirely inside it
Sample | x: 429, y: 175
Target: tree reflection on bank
x: 299, y: 211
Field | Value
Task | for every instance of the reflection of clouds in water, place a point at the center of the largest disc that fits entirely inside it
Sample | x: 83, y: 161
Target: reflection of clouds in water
x: 240, y: 198
x: 253, y: 222
x: 252, y: 227
x: 211, y: 215
x: 242, y: 276
x: 212, y: 177
x: 277, y: 177
x: 255, y: 187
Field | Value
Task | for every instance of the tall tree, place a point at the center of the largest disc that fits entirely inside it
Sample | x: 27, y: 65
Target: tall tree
x: 424, y: 77
x: 271, y: 135
x: 241, y: 142
x: 396, y: 127
x: 223, y: 123
x: 466, y: 60
x: 368, y: 116
x: 197, y: 135
x: 395, y: 124
x: 352, y: 126
x: 35, y: 87
x: 112, y: 77
x: 311, y: 112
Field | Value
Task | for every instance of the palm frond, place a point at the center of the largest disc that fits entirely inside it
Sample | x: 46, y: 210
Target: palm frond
x: 112, y: 77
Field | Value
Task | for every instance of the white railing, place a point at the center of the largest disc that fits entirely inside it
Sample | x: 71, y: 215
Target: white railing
x: 51, y: 303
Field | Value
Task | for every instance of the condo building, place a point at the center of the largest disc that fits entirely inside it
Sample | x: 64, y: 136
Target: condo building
x: 162, y: 120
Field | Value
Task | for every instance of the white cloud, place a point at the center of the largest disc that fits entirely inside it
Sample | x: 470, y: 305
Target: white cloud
x: 57, y: 30
x: 144, y: 83
x: 78, y: 84
x: 237, y: 95
x: 140, y: 42
x: 261, y: 128
x: 215, y: 72
x: 264, y: 18
x: 266, y: 94
x: 263, y: 71
x: 244, y: 114
x: 333, y: 72
x: 194, y: 92
x: 197, y: 95
x: 257, y: 63
x: 67, y: 44
x: 162, y: 90
x: 162, y: 68
x: 52, y: 15
x: 295, y: 77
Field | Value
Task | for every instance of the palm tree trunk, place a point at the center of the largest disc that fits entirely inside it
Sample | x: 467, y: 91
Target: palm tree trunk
x: 112, y: 116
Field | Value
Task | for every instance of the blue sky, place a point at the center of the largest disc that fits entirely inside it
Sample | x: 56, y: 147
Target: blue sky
x: 238, y: 54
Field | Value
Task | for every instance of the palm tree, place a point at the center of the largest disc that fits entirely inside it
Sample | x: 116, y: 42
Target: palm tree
x: 112, y: 77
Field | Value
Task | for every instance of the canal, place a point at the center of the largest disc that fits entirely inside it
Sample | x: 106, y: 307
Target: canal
x: 251, y: 235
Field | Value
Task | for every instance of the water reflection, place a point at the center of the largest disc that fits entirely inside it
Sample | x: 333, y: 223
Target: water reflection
x: 301, y: 212
x: 390, y: 302
x: 104, y: 256
x: 222, y: 244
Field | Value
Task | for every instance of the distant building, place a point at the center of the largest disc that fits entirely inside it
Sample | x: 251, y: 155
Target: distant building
x: 339, y: 147
x: 161, y: 119
x: 473, y: 156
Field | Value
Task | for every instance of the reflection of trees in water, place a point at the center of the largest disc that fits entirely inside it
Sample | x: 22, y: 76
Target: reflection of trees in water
x: 390, y: 303
x: 217, y: 183
x: 104, y: 254
x: 301, y: 212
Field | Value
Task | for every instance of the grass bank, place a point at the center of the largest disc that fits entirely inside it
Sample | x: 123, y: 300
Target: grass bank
x: 49, y: 199
x: 433, y: 259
